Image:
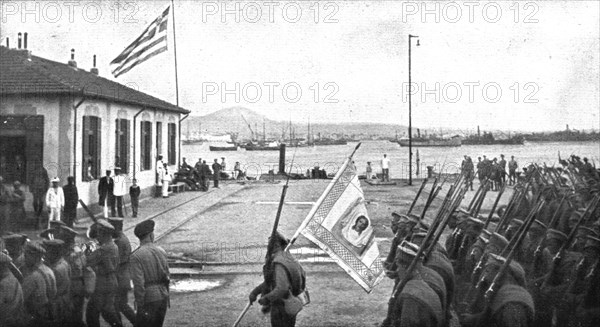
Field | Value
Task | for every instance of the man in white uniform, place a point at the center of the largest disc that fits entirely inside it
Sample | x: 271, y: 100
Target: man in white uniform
x: 55, y: 201
x: 119, y: 189
x: 385, y: 166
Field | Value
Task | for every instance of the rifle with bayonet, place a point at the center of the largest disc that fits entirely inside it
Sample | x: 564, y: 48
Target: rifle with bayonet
x: 552, y: 277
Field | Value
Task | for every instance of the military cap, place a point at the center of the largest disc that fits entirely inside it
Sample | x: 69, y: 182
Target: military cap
x: 278, y: 237
x: 34, y: 248
x: 556, y: 234
x: 117, y: 168
x: 49, y: 234
x: 55, y: 180
x: 406, y: 218
x: 516, y: 222
x: 14, y: 239
x: 538, y: 226
x: 67, y: 233
x: 481, y: 240
x: 144, y: 228
x: 17, y: 183
x: 498, y: 241
x: 115, y: 221
x: 103, y: 224
x: 408, y: 248
x: 52, y: 245
x: 592, y: 242
x: 515, y: 269
x: 4, y: 258
x: 57, y: 223
x: 583, y: 232
x: 486, y: 232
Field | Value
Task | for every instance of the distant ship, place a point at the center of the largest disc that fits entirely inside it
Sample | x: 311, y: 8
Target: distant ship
x: 187, y: 142
x: 271, y: 146
x: 488, y: 139
x: 431, y: 141
x: 326, y: 141
x: 223, y: 148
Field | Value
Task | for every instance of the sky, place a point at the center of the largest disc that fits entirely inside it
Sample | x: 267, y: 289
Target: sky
x: 502, y: 65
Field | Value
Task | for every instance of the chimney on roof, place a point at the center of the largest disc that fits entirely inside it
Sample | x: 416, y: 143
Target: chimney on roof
x: 19, y: 41
x: 94, y: 70
x: 25, y: 41
x: 72, y: 62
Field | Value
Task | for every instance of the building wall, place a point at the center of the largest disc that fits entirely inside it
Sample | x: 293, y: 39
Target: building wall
x: 59, y: 133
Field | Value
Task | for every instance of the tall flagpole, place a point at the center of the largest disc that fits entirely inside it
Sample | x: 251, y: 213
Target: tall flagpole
x: 175, y: 53
x: 176, y: 87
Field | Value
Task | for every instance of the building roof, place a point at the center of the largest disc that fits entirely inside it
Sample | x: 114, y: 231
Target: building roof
x: 27, y: 74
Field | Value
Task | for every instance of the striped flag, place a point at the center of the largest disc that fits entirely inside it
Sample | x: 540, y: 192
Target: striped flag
x: 340, y: 225
x: 152, y: 42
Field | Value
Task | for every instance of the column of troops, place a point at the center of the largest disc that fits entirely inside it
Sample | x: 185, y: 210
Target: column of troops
x: 60, y: 282
x: 531, y: 262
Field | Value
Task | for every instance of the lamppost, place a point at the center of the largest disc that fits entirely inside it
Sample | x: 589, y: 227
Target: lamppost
x: 410, y: 110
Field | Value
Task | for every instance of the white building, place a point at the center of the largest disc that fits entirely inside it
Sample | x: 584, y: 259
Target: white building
x: 77, y: 123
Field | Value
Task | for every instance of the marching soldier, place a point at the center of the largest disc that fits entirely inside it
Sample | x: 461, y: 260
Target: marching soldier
x: 416, y: 304
x: 151, y: 278
x: 402, y: 227
x: 14, y: 244
x: 283, y: 274
x: 62, y: 274
x: 39, y: 286
x: 105, y: 261
x: 123, y: 276
x: 511, y: 305
x: 81, y: 276
x: 11, y: 295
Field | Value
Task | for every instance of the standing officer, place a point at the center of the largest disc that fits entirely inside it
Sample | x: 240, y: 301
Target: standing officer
x: 216, y: 167
x: 78, y: 271
x: 123, y: 275
x: 105, y: 194
x: 11, y: 295
x: 39, y: 286
x: 105, y: 261
x: 151, y: 278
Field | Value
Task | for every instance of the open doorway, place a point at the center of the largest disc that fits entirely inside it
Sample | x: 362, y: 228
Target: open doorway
x: 13, y: 160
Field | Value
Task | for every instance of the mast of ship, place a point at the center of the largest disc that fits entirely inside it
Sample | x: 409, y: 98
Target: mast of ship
x: 264, y: 132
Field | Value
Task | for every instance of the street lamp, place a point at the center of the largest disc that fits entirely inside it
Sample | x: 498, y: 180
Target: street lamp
x: 410, y: 111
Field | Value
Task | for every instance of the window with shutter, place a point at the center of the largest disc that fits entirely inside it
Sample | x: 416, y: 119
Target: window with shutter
x: 146, y: 145
x: 91, y: 145
x: 158, y: 138
x: 171, y: 143
x: 122, y: 144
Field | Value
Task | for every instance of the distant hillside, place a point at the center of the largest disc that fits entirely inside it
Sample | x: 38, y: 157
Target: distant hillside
x: 230, y: 120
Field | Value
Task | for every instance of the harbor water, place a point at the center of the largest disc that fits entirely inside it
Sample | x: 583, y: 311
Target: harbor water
x: 443, y: 159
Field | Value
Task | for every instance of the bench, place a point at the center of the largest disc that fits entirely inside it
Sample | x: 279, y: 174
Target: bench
x: 177, y: 187
x: 173, y: 188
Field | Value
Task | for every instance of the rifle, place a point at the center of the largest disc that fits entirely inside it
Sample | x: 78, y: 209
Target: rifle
x: 270, y: 246
x: 479, y: 203
x: 453, y: 205
x: 551, y: 277
x: 555, y: 216
x: 489, y: 294
x: 476, y: 196
x: 417, y: 196
x: 89, y: 212
x: 495, y: 285
x: 489, y: 218
x: 432, y: 194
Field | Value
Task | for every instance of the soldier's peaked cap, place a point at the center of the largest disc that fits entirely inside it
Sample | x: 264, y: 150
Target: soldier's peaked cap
x: 592, y: 242
x: 68, y: 233
x: 52, y: 244
x: 516, y: 222
x: 498, y: 241
x: 103, y: 224
x: 115, y: 221
x: 583, y: 232
x: 34, y: 248
x: 556, y: 234
x: 14, y: 239
x: 48, y: 234
x: 144, y: 228
x: 538, y: 225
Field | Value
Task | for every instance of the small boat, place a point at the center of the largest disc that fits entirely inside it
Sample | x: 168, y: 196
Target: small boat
x: 272, y: 146
x: 187, y: 142
x: 430, y: 142
x: 222, y: 148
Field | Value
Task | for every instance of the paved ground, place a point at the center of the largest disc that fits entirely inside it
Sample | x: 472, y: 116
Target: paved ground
x: 231, y: 225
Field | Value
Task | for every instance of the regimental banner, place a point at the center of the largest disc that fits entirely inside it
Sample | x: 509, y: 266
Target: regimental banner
x: 339, y: 224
